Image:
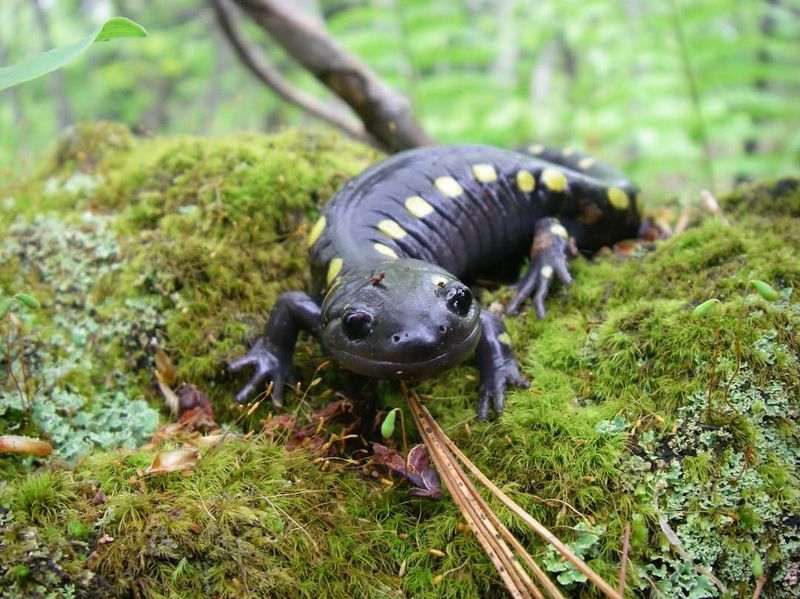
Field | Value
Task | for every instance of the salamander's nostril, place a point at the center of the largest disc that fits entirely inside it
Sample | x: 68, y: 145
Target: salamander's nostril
x: 442, y: 329
x: 396, y: 338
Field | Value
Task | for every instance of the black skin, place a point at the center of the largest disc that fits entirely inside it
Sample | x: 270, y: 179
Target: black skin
x: 388, y: 270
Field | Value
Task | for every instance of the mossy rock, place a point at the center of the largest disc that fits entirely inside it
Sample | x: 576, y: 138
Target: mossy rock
x: 186, y: 243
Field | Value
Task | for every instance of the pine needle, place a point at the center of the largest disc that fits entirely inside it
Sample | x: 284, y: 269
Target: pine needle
x: 491, y: 533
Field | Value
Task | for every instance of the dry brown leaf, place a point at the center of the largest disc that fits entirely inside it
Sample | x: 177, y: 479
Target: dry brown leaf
x: 165, y: 370
x: 24, y: 445
x: 174, y: 460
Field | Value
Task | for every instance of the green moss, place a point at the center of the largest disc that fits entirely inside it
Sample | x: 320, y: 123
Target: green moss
x: 42, y: 498
x: 190, y: 241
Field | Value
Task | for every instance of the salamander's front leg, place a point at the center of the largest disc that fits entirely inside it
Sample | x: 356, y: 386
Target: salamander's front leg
x: 551, y: 249
x: 497, y: 365
x: 272, y: 354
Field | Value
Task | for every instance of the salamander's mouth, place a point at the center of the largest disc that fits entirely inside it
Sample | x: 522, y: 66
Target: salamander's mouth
x: 388, y: 369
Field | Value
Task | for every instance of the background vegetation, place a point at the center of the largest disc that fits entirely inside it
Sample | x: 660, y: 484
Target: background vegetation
x: 681, y: 93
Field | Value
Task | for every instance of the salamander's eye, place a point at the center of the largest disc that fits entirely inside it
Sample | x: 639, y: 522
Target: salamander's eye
x: 458, y: 298
x: 356, y: 323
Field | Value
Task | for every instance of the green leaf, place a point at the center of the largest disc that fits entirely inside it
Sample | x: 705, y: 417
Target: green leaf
x: 28, y: 300
x: 58, y: 57
x: 387, y: 428
x: 765, y: 290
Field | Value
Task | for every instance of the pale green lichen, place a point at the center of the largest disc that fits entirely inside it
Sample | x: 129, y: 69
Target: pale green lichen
x: 72, y: 402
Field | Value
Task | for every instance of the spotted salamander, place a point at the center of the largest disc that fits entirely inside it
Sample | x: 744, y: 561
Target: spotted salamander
x: 390, y: 250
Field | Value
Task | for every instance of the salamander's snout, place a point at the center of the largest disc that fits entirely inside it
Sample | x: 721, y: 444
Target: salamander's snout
x: 413, y: 344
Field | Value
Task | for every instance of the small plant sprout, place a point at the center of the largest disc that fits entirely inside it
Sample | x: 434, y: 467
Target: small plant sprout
x: 757, y: 566
x: 706, y: 307
x: 387, y: 428
x: 26, y: 299
x: 765, y: 290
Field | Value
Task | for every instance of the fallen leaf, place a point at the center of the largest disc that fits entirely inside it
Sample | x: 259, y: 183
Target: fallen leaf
x: 174, y: 460
x: 24, y: 445
x: 165, y: 370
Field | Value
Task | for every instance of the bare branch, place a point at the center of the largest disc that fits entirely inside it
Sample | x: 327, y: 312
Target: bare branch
x: 385, y: 113
x: 254, y: 60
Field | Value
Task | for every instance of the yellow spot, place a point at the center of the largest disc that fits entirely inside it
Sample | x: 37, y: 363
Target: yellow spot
x: 536, y: 149
x: 504, y: 339
x: 484, y: 173
x: 334, y: 268
x: 418, y: 207
x: 567, y: 152
x: 554, y: 179
x: 385, y: 250
x: 316, y: 231
x: 547, y: 271
x: 525, y: 181
x: 586, y: 163
x: 557, y: 229
x: 392, y: 229
x: 448, y: 186
x: 618, y: 198
x: 438, y: 280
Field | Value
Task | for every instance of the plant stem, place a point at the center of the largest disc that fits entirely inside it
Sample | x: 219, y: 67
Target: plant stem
x: 25, y: 404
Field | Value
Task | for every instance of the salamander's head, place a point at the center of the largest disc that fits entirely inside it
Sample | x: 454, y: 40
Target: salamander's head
x: 402, y: 319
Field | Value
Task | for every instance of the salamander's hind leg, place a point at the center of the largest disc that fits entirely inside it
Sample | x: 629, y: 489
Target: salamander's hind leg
x: 271, y: 356
x: 497, y: 365
x: 552, y: 247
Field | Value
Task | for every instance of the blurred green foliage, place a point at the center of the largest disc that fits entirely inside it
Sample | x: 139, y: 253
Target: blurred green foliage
x: 680, y: 93
x: 55, y: 58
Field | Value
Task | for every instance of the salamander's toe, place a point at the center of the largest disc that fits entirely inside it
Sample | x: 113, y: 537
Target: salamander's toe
x: 268, y: 368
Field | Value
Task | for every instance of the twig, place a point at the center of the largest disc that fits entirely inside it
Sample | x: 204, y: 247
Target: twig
x: 683, y: 220
x: 534, y: 524
x: 385, y: 113
x: 709, y: 202
x: 762, y: 580
x: 254, y: 60
x: 623, y: 567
